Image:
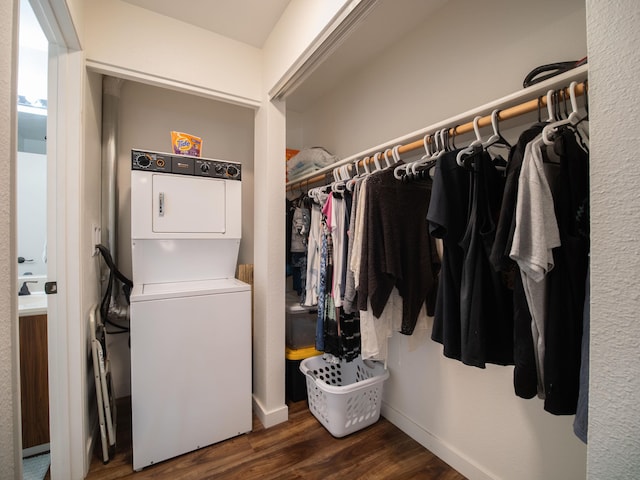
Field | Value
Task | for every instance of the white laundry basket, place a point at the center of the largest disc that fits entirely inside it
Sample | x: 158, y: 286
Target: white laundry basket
x: 344, y: 397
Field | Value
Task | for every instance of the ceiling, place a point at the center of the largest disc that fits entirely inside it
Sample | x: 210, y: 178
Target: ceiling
x: 248, y: 21
x: 386, y: 24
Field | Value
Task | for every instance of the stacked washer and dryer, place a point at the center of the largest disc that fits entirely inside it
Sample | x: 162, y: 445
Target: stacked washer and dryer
x: 190, y: 318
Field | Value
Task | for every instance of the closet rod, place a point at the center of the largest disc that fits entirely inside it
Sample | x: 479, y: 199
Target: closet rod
x: 513, y: 111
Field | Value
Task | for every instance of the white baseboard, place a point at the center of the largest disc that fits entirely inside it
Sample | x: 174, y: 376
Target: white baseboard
x: 272, y: 417
x: 437, y: 446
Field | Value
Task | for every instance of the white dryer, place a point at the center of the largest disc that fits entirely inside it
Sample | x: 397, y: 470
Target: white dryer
x: 190, y: 318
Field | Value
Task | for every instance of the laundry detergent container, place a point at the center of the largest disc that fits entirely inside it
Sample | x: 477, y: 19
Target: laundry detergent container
x: 345, y: 397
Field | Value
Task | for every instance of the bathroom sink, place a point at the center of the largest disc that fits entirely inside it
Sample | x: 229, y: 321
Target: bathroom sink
x: 34, y: 304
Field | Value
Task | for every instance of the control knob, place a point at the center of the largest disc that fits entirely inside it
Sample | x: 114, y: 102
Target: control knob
x: 232, y: 171
x: 143, y: 160
x: 219, y: 169
x: 204, y: 168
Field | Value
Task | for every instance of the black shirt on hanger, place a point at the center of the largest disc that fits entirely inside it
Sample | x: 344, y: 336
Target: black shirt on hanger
x: 566, y: 282
x: 525, y: 378
x: 486, y: 311
x: 447, y: 216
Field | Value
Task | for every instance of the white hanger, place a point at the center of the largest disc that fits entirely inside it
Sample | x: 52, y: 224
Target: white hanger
x: 398, y: 171
x: 574, y: 118
x: 496, y: 135
x: 314, y: 193
x: 472, y: 145
x: 401, y: 170
x: 386, y: 158
x: 376, y: 161
x: 427, y: 157
x: 552, y: 116
x: 336, y: 179
x: 352, y: 181
x: 395, y: 153
x: 365, y: 165
x: 340, y: 176
x: 441, y: 134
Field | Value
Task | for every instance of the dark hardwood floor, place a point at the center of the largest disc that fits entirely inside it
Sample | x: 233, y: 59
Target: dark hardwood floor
x: 297, y: 449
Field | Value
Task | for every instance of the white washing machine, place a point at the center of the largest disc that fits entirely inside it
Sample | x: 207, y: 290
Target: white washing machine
x: 190, y: 318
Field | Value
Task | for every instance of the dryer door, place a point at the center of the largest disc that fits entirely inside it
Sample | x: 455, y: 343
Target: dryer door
x: 188, y: 204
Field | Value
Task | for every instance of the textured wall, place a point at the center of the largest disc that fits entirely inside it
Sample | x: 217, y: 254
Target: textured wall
x: 10, y: 451
x: 614, y: 413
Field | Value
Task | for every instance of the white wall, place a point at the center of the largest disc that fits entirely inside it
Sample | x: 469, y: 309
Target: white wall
x: 300, y: 24
x: 465, y: 55
x: 147, y: 117
x: 10, y: 445
x: 90, y: 265
x: 614, y: 412
x: 129, y: 40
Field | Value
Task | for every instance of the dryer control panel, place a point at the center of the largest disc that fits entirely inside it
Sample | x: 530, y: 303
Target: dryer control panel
x: 184, y: 165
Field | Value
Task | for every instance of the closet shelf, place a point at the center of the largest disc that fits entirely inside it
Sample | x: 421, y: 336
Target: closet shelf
x: 518, y: 103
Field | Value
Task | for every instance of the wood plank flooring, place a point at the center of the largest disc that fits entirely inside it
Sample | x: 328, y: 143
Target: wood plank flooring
x: 297, y: 449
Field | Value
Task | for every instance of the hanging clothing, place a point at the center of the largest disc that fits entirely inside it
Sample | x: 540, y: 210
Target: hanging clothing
x: 486, y: 310
x: 566, y: 283
x: 447, y: 216
x: 358, y: 234
x: 348, y: 203
x: 525, y: 377
x: 349, y: 303
x: 322, y: 297
x: 314, y: 245
x: 396, y: 249
x: 375, y: 332
x: 535, y: 236
x: 339, y: 241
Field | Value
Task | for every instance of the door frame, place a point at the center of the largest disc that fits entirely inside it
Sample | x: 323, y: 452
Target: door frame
x: 66, y: 342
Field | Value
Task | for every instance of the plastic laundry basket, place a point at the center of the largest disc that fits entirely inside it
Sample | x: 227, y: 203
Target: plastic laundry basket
x: 344, y: 397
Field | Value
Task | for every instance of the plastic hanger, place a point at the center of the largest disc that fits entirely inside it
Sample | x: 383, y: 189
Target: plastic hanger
x: 352, y: 181
x: 376, y: 161
x: 428, y: 160
x: 340, y: 175
x: 386, y: 158
x: 402, y: 170
x: 336, y: 179
x: 395, y: 153
x: 444, y: 143
x: 413, y: 166
x: 477, y: 142
x: 552, y: 117
x: 496, y: 138
x: 573, y: 119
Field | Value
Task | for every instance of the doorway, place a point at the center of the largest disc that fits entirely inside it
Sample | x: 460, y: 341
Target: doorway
x: 31, y: 187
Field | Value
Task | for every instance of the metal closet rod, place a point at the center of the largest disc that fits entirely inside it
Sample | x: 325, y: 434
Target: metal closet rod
x: 539, y: 101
